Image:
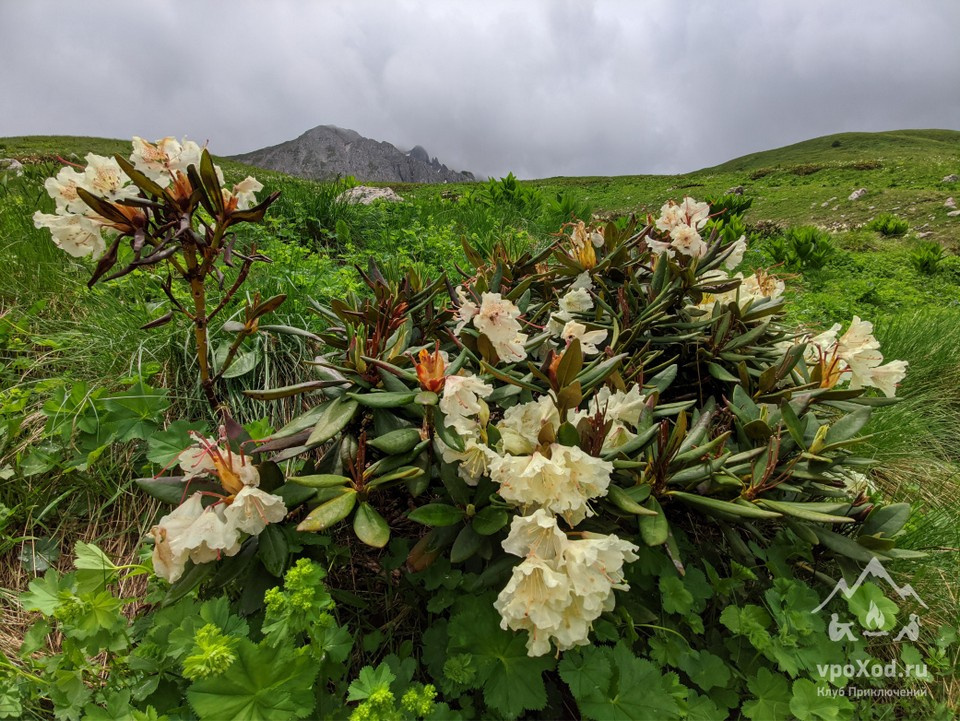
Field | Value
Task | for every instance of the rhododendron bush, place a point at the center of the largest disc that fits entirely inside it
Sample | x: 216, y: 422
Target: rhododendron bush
x: 565, y: 443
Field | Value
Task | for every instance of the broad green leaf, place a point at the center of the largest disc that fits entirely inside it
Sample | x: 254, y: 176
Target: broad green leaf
x: 395, y: 442
x: 654, y: 530
x: 809, y: 705
x: 512, y: 681
x: 619, y: 497
x: 886, y: 521
x: 489, y: 520
x: 369, y: 681
x: 329, y: 513
x: 320, y: 480
x: 674, y: 595
x: 273, y: 549
x: 388, y: 399
x: 264, y: 684
x: 466, y: 544
x: 587, y: 671
x: 164, y: 446
x: 640, y: 692
x: 370, y: 526
x: 705, y: 503
x: 436, y: 514
x: 332, y: 420
x: 44, y: 593
x: 771, y: 700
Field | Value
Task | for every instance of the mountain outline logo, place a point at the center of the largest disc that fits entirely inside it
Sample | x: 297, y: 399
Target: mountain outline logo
x: 873, y: 569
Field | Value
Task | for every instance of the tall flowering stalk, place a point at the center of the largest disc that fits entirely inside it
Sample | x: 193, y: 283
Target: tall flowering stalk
x: 164, y: 205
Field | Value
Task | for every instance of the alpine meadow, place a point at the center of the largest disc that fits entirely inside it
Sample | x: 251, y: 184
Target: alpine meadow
x: 603, y: 448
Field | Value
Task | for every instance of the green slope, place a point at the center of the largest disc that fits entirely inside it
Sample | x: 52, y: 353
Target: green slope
x: 804, y: 183
x: 914, y: 147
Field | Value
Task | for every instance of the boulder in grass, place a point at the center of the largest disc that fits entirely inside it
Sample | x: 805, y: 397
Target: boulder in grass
x: 11, y: 165
x: 365, y: 194
x: 952, y: 178
x: 857, y: 194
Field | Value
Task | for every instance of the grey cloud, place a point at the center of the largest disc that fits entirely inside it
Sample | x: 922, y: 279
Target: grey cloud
x: 541, y: 88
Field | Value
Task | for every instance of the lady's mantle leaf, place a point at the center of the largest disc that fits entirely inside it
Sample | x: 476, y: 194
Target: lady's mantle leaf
x: 263, y: 684
x: 512, y: 681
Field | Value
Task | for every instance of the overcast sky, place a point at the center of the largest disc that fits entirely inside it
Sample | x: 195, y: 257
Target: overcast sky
x: 539, y: 88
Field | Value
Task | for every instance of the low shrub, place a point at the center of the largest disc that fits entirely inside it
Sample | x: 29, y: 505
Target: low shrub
x: 889, y: 225
x: 926, y: 256
x: 802, y: 248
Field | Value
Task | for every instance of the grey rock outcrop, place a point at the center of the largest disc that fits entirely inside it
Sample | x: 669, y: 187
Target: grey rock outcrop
x: 365, y: 194
x: 11, y: 165
x: 327, y: 151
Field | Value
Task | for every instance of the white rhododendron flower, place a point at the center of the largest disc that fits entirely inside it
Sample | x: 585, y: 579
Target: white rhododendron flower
x: 736, y: 255
x: 562, y: 481
x: 76, y: 235
x: 581, y: 235
x: 473, y: 463
x: 595, y: 563
x: 243, y: 193
x: 204, y: 535
x: 252, y: 509
x: 104, y: 178
x: 854, y: 357
x: 537, y: 534
x: 886, y: 377
x: 682, y: 222
x: 696, y: 214
x: 210, y: 536
x: 671, y: 216
x: 169, y: 552
x: 466, y: 311
x: 536, y: 599
x: 63, y: 189
x: 522, y: 423
x: 577, y: 300
x: 686, y: 240
x: 623, y: 409
x: 160, y: 161
x: 588, y: 339
x: 205, y: 457
x: 462, y: 404
x: 761, y: 285
x: 562, y: 585
x: 497, y: 320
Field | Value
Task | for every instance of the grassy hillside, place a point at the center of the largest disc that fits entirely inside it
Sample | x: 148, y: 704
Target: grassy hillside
x: 64, y: 346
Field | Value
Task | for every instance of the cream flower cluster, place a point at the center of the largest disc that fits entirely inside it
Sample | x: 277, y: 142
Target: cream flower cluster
x: 577, y: 301
x: 495, y: 317
x: 79, y: 231
x: 621, y: 408
x: 561, y: 479
x: 562, y: 585
x: 201, y: 534
x: 75, y: 228
x: 465, y: 411
x: 683, y: 222
x: 855, y: 357
x: 757, y: 286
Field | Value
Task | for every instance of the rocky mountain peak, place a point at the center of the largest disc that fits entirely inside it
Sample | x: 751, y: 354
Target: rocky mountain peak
x: 328, y: 151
